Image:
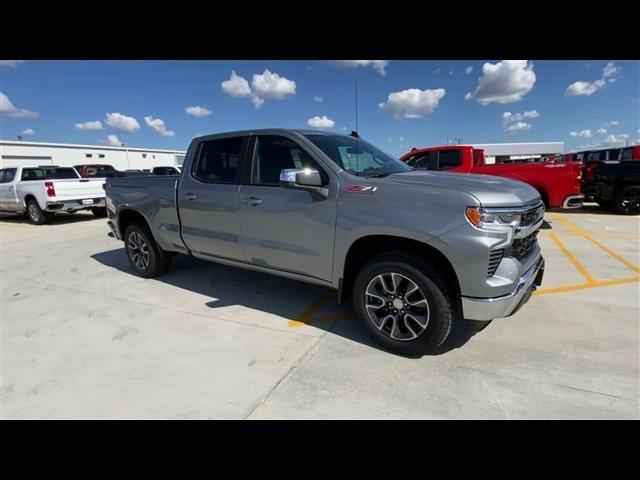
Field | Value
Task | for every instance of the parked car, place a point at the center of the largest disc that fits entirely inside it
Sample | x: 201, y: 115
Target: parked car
x: 609, y: 154
x: 95, y: 170
x: 43, y: 191
x: 558, y: 183
x: 614, y: 185
x: 171, y: 170
x: 417, y: 251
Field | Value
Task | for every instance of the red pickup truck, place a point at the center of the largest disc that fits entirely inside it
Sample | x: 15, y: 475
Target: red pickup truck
x: 558, y: 183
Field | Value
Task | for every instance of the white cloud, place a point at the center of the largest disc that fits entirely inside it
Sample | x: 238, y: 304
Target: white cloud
x: 28, y: 131
x: 265, y: 85
x: 159, y: 126
x: 318, y: 99
x: 515, y: 117
x: 468, y: 70
x: 517, y: 127
x: 197, y: 111
x: 582, y: 133
x: 602, y: 131
x: 113, y: 140
x: 379, y: 66
x: 7, y: 109
x: 616, y: 139
x: 272, y: 85
x: 513, y: 122
x: 122, y: 123
x: 609, y: 73
x: 412, y: 103
x: 236, y: 86
x: 450, y: 72
x: 584, y: 88
x: 10, y: 63
x: 89, y: 126
x: 436, y: 71
x: 504, y: 82
x: 321, y: 122
x: 612, y: 123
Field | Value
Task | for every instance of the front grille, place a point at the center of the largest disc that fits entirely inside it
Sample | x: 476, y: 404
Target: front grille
x: 523, y: 246
x: 532, y: 216
x: 495, y: 257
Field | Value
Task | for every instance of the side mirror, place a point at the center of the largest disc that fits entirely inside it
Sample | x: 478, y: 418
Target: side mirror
x: 303, y: 179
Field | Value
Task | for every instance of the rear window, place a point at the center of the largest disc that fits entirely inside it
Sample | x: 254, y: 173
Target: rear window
x: 29, y: 174
x: 98, y: 170
x: 627, y: 154
x: 448, y: 159
x: 219, y: 161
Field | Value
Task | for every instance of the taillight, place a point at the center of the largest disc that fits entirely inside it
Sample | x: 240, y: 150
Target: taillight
x: 51, y: 191
x: 590, y: 171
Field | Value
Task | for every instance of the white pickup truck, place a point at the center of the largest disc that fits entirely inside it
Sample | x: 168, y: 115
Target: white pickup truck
x: 43, y: 191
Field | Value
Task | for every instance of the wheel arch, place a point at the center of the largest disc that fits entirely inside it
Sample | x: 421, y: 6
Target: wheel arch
x: 367, y: 246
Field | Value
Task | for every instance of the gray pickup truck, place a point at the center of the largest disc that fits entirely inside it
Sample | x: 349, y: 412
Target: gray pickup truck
x: 417, y: 251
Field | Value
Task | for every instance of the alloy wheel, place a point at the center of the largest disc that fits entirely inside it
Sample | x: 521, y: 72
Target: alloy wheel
x: 396, y: 306
x: 138, y: 250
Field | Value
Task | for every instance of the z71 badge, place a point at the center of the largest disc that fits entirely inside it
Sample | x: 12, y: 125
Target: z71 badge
x: 361, y: 189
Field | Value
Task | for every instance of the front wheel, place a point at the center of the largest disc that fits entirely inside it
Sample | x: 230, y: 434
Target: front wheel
x: 627, y: 200
x: 145, y: 256
x: 404, y: 304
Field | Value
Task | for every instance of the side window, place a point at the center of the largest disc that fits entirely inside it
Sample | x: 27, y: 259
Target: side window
x: 614, y: 154
x: 627, y: 154
x: 274, y: 154
x: 448, y: 159
x: 424, y: 161
x: 219, y: 161
x: 7, y: 175
x: 32, y: 174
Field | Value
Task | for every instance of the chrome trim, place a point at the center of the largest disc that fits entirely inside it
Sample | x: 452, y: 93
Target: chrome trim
x: 570, y: 198
x: 489, y: 308
x: 525, y: 209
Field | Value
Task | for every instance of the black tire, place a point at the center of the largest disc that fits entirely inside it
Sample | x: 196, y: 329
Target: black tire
x: 35, y: 213
x: 627, y: 200
x: 443, y: 304
x: 99, y: 212
x: 157, y: 261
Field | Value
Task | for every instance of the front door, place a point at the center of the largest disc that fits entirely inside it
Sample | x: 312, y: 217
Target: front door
x: 208, y: 199
x: 8, y: 189
x: 285, y: 229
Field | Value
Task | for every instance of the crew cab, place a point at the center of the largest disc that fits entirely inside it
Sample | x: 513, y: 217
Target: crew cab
x: 558, y: 183
x: 417, y: 252
x: 43, y: 191
x: 614, y: 185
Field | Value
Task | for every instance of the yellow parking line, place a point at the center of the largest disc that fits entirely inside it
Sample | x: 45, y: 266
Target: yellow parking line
x: 581, y: 233
x: 574, y: 261
x: 303, y: 318
x: 584, y: 286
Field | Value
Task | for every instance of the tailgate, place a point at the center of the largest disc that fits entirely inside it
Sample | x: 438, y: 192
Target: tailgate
x: 73, y: 189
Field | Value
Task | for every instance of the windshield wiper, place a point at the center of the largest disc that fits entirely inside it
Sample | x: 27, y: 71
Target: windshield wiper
x: 380, y: 175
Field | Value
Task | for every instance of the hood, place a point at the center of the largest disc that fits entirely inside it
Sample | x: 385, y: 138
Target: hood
x: 489, y: 190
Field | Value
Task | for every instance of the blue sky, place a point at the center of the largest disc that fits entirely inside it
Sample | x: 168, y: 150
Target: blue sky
x: 401, y: 103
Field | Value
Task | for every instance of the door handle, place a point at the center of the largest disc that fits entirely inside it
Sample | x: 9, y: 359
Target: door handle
x: 10, y: 188
x: 253, y: 201
x: 189, y: 196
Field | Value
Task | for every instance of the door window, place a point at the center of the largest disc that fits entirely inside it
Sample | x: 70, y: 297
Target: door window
x: 274, y: 154
x: 7, y: 175
x: 219, y: 161
x: 448, y: 159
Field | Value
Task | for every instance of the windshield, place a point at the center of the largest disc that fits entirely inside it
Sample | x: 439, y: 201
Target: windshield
x: 357, y: 156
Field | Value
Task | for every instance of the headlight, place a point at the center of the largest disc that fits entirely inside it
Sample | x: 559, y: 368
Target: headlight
x: 483, y: 219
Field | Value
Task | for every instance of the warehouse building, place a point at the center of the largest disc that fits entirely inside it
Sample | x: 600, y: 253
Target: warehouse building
x: 16, y: 153
x: 510, y: 152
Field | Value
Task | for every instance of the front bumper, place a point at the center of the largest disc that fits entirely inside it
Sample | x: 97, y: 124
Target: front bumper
x: 72, y: 205
x: 505, y: 305
x: 573, y: 201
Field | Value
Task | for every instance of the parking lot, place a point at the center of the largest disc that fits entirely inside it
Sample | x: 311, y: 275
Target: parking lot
x: 82, y: 337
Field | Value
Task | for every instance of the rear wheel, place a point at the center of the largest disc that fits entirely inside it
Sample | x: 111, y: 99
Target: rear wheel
x: 35, y: 213
x: 145, y: 256
x: 627, y: 200
x: 99, y: 212
x: 404, y: 305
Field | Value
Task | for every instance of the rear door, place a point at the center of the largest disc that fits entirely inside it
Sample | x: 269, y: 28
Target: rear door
x: 208, y: 201
x: 286, y: 229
